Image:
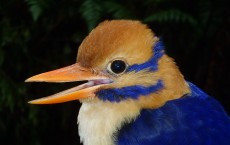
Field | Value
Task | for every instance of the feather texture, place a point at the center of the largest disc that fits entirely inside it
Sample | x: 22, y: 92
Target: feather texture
x: 150, y: 103
x: 152, y: 63
x: 133, y: 92
x: 194, y: 119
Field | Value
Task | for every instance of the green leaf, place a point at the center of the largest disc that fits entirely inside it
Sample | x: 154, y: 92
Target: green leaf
x: 171, y: 15
x: 91, y: 11
x: 35, y: 8
x: 118, y: 10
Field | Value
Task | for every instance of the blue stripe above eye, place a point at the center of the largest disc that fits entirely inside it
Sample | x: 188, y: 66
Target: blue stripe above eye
x: 133, y: 92
x: 152, y: 63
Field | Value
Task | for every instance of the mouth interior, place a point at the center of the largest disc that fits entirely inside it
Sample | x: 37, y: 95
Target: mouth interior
x: 89, y: 84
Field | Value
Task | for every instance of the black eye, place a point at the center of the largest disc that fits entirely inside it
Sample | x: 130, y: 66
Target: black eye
x: 117, y: 66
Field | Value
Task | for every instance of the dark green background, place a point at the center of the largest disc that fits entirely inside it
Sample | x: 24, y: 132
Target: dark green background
x: 41, y: 35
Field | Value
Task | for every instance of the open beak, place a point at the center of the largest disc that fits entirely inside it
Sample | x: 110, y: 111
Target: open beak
x: 71, y: 73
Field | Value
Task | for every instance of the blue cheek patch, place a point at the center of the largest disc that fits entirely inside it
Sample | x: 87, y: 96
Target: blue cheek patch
x: 133, y: 92
x: 152, y: 63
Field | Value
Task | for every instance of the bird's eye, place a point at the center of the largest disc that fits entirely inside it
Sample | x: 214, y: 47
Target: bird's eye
x: 117, y: 67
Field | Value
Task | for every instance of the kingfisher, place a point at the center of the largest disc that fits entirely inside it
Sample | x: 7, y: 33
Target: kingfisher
x: 134, y: 93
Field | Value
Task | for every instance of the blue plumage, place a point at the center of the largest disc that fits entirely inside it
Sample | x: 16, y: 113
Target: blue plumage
x: 134, y: 92
x: 152, y: 63
x: 194, y: 119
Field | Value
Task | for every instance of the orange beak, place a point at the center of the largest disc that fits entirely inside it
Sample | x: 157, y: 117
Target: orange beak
x: 70, y: 74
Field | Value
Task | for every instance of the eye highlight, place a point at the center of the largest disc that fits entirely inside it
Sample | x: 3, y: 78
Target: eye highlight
x: 117, y: 66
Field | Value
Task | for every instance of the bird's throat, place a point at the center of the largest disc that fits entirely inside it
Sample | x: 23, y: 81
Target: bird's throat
x: 99, y: 121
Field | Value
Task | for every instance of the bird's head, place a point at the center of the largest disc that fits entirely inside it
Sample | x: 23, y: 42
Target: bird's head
x: 122, y: 60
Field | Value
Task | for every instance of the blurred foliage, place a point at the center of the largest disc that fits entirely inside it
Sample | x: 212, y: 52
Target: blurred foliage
x: 40, y: 35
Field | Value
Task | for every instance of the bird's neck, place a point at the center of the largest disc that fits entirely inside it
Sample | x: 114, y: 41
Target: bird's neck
x: 99, y: 121
x: 174, y: 85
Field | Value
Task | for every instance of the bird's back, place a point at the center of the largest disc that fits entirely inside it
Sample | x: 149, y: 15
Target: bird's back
x: 195, y: 119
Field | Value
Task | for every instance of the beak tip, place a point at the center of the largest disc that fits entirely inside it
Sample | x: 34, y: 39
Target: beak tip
x: 31, y: 79
x: 27, y: 80
x: 32, y: 102
x: 36, y: 102
x: 34, y: 79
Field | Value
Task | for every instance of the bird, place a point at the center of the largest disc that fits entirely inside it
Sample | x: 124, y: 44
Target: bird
x: 134, y: 93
